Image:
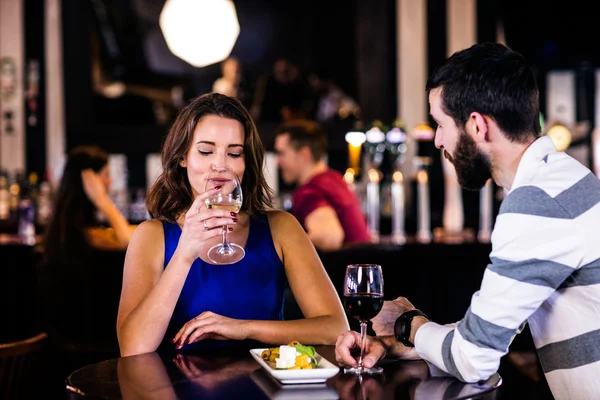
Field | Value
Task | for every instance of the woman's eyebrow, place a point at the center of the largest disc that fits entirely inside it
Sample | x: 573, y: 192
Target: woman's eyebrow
x: 213, y: 144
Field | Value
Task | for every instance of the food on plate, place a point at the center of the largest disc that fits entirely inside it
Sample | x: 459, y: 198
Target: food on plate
x: 291, y: 356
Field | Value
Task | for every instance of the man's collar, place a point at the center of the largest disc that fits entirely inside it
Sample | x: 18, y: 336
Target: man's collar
x: 536, y: 153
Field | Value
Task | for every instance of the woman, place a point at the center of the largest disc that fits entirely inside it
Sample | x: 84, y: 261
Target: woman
x: 170, y: 291
x: 79, y: 281
x: 84, y: 190
x: 232, y: 82
x: 230, y: 78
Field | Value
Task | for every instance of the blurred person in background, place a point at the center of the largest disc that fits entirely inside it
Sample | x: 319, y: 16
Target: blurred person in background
x: 294, y: 109
x: 331, y: 102
x: 83, y: 191
x: 172, y: 296
x: 82, y: 265
x: 322, y: 202
x: 276, y: 90
x: 231, y: 81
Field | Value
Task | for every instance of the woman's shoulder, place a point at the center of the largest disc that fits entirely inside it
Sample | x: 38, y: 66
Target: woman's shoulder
x: 147, y: 241
x: 151, y: 229
x: 284, y: 226
x: 280, y: 218
x: 150, y: 225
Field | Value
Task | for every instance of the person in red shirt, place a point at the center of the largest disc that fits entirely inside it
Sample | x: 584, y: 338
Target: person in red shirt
x: 322, y: 202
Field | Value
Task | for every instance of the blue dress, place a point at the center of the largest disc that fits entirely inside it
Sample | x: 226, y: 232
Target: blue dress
x: 252, y: 288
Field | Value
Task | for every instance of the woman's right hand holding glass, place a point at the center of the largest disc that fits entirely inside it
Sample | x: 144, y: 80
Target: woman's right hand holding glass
x: 201, y: 224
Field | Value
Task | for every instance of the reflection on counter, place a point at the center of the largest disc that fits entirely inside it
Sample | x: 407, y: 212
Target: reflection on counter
x: 275, y: 390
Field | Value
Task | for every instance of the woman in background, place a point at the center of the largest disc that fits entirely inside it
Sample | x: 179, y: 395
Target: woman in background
x: 231, y: 82
x: 84, y: 190
x: 79, y: 280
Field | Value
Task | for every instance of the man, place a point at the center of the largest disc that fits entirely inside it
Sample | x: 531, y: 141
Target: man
x: 545, y: 245
x: 327, y: 209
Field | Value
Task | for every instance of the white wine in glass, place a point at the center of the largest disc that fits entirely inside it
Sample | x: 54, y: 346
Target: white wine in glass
x: 228, y: 198
x: 225, y: 204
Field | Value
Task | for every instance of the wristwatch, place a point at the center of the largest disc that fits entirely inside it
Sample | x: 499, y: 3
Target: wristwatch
x: 403, y: 324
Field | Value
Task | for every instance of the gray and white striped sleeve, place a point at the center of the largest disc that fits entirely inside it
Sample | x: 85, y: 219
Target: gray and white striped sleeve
x: 536, y: 246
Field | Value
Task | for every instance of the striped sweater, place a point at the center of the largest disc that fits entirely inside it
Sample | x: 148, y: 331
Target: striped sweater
x: 544, y: 270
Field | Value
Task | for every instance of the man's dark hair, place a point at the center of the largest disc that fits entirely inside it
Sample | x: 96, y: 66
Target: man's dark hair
x: 305, y: 133
x: 491, y: 79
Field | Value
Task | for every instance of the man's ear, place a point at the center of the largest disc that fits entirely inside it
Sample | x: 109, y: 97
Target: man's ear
x: 306, y: 153
x: 477, y: 127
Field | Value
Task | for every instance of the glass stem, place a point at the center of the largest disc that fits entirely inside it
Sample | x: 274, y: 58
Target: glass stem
x: 363, y: 342
x: 226, y: 237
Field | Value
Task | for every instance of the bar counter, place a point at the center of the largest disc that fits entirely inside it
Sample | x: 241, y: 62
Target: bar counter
x: 235, y: 375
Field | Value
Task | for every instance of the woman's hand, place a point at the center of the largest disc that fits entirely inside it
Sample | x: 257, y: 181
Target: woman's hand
x: 201, y: 224
x: 93, y: 187
x: 209, y: 325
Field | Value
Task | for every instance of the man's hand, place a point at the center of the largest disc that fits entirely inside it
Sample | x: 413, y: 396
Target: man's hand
x: 398, y: 350
x: 383, y: 323
x: 374, y: 349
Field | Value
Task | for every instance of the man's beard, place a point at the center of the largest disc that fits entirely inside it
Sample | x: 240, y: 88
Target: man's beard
x: 473, y: 168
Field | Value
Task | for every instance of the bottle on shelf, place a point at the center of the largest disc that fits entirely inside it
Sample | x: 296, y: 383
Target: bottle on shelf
x: 14, y: 198
x: 44, y: 204
x: 33, y: 188
x: 26, y: 219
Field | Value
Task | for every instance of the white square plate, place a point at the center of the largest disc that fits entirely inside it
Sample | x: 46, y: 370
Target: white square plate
x: 324, y: 370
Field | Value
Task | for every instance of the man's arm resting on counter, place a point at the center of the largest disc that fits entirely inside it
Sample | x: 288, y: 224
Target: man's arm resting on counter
x: 537, y: 246
x: 324, y: 229
x: 510, y: 293
x: 398, y: 350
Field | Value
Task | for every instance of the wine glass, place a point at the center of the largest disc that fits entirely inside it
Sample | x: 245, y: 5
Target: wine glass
x: 228, y: 198
x: 363, y: 299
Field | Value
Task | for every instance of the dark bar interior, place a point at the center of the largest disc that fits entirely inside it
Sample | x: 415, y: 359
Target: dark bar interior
x: 115, y: 89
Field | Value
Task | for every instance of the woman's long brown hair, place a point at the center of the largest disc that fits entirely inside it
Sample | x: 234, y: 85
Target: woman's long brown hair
x: 171, y: 194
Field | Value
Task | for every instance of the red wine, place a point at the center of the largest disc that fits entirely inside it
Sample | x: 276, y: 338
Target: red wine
x: 363, y: 306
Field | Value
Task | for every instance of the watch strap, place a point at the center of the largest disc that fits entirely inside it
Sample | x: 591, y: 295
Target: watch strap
x: 402, y: 327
